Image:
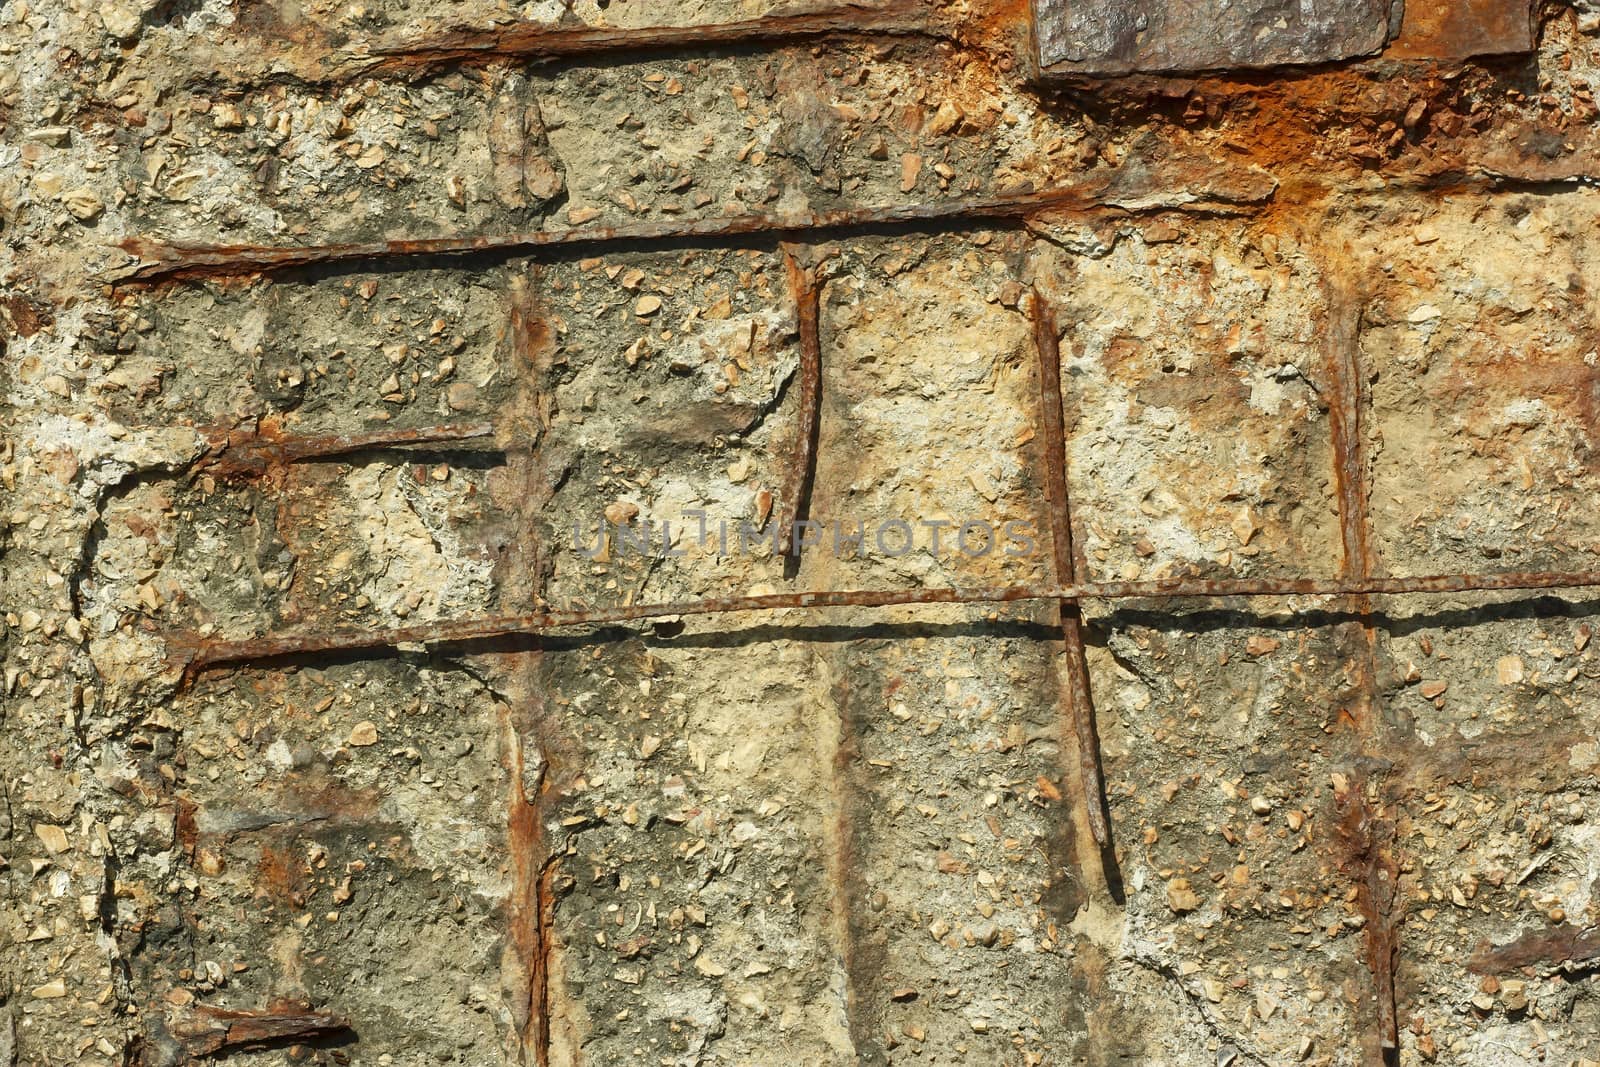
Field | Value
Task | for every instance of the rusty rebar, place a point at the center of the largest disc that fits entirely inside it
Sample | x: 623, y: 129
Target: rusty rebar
x: 1366, y: 838
x: 244, y: 452
x: 1557, y: 947
x: 533, y: 41
x: 205, y: 653
x: 169, y: 262
x: 523, y: 490
x: 1346, y: 427
x: 194, y: 653
x: 801, y: 472
x: 1079, y: 696
x: 206, y: 1030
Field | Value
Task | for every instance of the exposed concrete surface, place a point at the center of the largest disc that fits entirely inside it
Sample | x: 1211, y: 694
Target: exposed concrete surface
x: 1326, y: 308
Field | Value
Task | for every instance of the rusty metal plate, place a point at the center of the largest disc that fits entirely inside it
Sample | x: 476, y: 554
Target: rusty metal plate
x: 1171, y: 36
x: 1458, y: 29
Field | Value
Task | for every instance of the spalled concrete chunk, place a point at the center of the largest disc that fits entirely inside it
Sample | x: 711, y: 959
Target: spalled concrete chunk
x: 523, y: 173
x: 1165, y: 36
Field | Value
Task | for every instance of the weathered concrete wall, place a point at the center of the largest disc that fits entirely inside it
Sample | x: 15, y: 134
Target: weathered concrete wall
x: 330, y: 336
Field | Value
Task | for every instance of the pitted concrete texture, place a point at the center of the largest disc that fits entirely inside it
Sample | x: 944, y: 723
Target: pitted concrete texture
x: 404, y: 410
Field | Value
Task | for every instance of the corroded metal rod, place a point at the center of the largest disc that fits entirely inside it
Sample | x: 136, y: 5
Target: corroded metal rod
x: 540, y: 41
x: 1346, y: 430
x: 195, y: 654
x: 1346, y: 410
x: 1560, y: 946
x: 528, y: 751
x: 799, y: 476
x: 1079, y: 696
x: 205, y: 1030
x: 165, y: 262
x: 1370, y: 862
x: 251, y: 452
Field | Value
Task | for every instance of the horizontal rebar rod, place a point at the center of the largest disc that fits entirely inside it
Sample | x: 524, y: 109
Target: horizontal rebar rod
x: 244, y: 451
x: 542, y: 41
x: 163, y: 261
x: 193, y: 653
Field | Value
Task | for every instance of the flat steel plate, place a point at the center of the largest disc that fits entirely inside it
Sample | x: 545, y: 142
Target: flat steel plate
x: 1458, y: 29
x: 1176, y: 36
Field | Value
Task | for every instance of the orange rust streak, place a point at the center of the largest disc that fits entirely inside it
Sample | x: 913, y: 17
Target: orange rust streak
x: 531, y: 908
x: 1345, y: 426
x: 278, y: 876
x: 1457, y: 29
x: 1375, y: 874
x: 1571, y: 387
x: 528, y: 907
x: 1346, y: 407
x: 1555, y: 947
